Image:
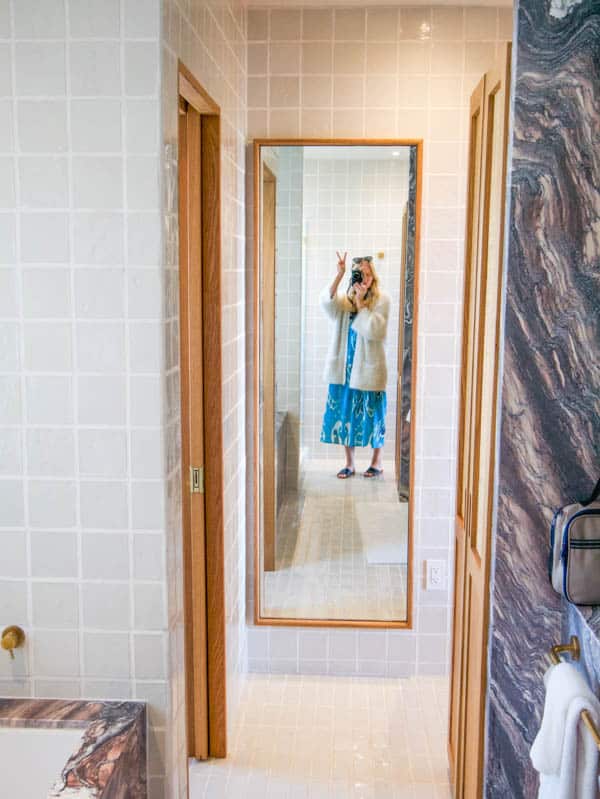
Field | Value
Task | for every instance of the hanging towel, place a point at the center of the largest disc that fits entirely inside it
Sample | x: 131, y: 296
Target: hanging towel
x: 564, y: 752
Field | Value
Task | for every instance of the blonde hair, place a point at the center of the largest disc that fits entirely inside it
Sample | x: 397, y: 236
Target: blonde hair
x: 372, y: 294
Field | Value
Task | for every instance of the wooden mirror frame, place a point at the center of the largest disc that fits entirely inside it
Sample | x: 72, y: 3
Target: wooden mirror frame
x: 258, y: 144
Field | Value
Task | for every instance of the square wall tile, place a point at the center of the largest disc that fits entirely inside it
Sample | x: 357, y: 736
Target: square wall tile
x: 106, y: 655
x: 44, y: 238
x: 55, y: 653
x: 42, y: 126
x: 53, y: 554
x: 51, y: 503
x: 47, y: 346
x: 50, y: 452
x: 11, y: 502
x: 91, y: 20
x: 14, y: 559
x: 46, y: 293
x: 106, y: 605
x: 103, y: 453
x: 95, y: 69
x: 96, y: 126
x: 55, y: 605
x: 105, y: 556
x: 40, y: 68
x: 104, y: 506
x: 39, y: 19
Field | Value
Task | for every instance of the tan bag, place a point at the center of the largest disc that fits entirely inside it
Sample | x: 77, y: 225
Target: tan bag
x: 574, y: 560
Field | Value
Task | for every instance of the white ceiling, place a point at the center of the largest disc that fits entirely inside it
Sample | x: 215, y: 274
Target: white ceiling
x: 362, y: 3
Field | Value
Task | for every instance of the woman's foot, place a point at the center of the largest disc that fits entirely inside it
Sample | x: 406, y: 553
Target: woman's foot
x: 345, y: 473
x: 373, y: 471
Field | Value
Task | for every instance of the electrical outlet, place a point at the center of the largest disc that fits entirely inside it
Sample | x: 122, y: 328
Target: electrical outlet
x: 434, y: 575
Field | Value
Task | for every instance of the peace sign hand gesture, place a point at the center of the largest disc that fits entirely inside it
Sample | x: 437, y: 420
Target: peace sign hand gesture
x: 341, y: 265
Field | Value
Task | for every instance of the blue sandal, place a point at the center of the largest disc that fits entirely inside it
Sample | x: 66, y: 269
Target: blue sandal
x: 373, y: 472
x: 345, y: 473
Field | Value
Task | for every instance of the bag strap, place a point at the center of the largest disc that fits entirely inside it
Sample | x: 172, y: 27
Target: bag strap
x: 592, y: 497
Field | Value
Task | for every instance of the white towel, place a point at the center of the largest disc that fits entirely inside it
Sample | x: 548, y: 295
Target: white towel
x: 564, y: 752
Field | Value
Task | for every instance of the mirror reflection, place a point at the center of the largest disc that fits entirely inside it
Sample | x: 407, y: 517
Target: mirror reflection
x: 337, y: 234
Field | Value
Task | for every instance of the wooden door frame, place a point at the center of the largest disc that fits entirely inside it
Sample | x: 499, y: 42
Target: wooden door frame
x: 204, y: 566
x: 260, y: 620
x: 472, y: 232
x: 499, y: 74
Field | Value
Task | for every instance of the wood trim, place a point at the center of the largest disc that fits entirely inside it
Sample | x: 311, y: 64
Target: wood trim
x: 192, y: 424
x: 213, y: 417
x: 336, y: 142
x: 277, y: 622
x: 191, y: 91
x: 499, y: 76
x: 456, y: 719
x: 203, y: 565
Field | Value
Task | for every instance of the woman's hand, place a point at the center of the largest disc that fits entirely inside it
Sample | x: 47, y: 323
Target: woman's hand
x: 360, y: 291
x: 341, y: 264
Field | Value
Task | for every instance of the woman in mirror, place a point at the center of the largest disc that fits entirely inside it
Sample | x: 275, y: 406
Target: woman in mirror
x: 356, y: 368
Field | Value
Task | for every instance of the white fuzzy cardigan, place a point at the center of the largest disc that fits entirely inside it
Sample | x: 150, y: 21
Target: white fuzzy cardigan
x: 369, y: 368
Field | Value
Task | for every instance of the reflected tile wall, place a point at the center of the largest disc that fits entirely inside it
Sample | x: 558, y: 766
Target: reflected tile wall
x: 551, y: 382
x: 395, y: 72
x: 356, y: 205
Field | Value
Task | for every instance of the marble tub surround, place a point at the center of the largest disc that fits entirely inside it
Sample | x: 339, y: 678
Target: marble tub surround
x: 551, y: 379
x: 584, y: 622
x: 111, y: 761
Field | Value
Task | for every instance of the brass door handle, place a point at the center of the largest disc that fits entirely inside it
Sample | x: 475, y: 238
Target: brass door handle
x: 12, y: 638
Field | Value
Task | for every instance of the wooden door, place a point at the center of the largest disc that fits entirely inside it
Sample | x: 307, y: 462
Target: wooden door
x: 201, y: 418
x: 268, y: 355
x: 478, y: 409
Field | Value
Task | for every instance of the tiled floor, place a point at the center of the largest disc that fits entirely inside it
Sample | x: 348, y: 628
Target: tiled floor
x: 341, y: 549
x: 302, y: 737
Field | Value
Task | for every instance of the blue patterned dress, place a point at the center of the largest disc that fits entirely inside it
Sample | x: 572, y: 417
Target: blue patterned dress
x: 353, y: 418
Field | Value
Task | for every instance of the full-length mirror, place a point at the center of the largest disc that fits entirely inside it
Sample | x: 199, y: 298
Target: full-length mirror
x: 337, y: 235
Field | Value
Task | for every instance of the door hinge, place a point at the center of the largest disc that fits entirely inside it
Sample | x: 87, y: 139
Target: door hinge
x: 197, y: 479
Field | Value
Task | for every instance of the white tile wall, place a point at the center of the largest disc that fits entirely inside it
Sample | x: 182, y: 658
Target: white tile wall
x: 89, y: 481
x: 81, y: 428
x: 397, y: 72
x: 210, y: 39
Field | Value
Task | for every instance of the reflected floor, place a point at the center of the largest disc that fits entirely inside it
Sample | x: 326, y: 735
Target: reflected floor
x: 304, y: 737
x: 341, y: 549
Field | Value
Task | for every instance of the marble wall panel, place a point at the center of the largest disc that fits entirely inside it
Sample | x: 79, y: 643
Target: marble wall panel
x: 551, y: 378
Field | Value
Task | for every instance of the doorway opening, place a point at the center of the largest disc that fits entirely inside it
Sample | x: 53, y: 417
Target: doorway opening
x: 201, y: 417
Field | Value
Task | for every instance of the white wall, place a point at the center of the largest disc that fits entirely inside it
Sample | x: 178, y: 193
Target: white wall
x: 397, y: 72
x: 89, y: 442
x: 288, y: 301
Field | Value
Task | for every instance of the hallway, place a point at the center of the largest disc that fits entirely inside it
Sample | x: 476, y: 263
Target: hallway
x: 313, y: 737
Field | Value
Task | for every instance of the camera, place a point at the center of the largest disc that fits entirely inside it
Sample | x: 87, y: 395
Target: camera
x: 357, y: 277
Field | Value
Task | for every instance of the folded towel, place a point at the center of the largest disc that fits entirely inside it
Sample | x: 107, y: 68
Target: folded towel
x: 564, y: 752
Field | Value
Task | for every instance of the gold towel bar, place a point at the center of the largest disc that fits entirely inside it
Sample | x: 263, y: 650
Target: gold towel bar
x: 575, y: 651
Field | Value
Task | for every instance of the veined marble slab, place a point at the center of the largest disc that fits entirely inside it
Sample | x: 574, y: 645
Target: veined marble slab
x: 550, y: 418
x: 110, y: 760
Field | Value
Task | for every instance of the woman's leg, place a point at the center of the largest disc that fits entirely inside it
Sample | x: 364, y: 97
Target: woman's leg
x: 377, y: 459
x: 348, y: 469
x: 349, y: 457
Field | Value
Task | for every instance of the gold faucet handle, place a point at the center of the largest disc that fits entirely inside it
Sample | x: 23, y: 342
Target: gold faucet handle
x: 12, y: 638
